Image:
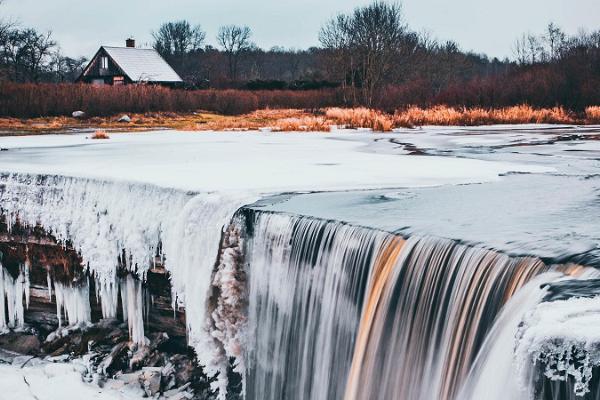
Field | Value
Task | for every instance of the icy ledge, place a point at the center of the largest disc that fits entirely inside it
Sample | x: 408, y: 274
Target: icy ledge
x: 561, y: 340
x: 124, y: 224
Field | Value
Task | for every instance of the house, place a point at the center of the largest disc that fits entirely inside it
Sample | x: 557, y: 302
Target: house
x: 127, y: 65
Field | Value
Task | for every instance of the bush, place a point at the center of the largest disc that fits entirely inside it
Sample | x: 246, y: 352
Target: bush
x: 40, y: 100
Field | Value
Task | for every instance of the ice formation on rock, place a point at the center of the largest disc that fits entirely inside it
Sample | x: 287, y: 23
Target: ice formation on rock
x: 131, y: 296
x: 14, y: 297
x: 560, y: 339
x: 228, y: 304
x: 107, y: 293
x: 120, y: 225
x: 72, y: 303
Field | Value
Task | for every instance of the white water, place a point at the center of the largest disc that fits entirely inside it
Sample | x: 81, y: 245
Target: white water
x: 494, y: 375
x: 559, y: 340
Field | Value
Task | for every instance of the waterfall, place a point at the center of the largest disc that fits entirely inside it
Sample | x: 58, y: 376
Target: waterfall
x: 504, y: 369
x: 337, y: 311
x: 303, y: 308
x: 437, y: 304
x: 307, y: 281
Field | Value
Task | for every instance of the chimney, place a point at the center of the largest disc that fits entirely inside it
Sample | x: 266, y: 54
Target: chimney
x: 130, y: 43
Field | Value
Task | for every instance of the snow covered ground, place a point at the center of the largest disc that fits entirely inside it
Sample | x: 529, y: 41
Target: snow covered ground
x: 41, y: 380
x: 257, y: 162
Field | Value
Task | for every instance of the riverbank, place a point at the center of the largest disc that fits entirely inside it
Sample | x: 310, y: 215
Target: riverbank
x: 298, y: 120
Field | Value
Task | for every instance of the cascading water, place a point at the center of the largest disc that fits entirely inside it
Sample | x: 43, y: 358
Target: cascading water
x: 437, y: 303
x: 307, y: 283
x: 498, y: 373
x: 342, y: 312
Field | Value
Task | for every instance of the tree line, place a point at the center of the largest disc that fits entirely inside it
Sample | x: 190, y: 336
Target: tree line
x: 371, y: 55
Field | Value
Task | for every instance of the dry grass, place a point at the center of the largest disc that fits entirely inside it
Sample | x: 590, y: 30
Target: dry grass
x: 361, y: 118
x: 281, y: 120
x: 100, y: 134
x: 443, y: 115
x: 592, y: 114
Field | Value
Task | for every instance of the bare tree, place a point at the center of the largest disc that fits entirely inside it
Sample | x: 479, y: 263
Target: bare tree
x: 234, y: 40
x: 27, y: 52
x: 528, y: 49
x: 372, y: 40
x: 178, y: 38
x: 65, y: 69
x: 555, y: 39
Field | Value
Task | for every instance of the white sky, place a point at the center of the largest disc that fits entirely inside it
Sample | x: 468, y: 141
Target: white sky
x: 483, y: 26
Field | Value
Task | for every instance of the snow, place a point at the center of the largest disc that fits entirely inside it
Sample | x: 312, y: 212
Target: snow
x: 258, y: 162
x: 41, y: 380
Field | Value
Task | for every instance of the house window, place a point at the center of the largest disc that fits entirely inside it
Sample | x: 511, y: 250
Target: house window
x: 104, y: 62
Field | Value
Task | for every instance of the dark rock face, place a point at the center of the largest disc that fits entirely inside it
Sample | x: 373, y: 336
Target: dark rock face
x: 22, y: 343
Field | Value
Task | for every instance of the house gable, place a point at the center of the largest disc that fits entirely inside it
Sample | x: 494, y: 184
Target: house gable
x: 103, y: 67
x: 118, y: 65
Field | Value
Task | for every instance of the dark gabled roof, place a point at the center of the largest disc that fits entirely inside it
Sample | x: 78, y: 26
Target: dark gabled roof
x: 142, y: 65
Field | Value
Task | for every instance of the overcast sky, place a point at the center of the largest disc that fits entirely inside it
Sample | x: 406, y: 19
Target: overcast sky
x: 483, y: 26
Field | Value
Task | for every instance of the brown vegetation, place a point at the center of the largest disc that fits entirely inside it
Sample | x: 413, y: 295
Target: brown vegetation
x: 43, y: 100
x: 307, y: 120
x: 592, y: 115
x: 443, y: 115
x: 100, y: 134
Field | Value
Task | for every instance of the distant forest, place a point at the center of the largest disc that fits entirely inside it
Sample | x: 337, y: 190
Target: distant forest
x: 371, y: 56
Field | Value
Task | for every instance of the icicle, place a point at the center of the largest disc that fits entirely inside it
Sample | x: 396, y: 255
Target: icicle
x: 135, y: 310
x: 73, y: 303
x: 107, y: 291
x: 49, y: 281
x: 13, y: 291
x: 124, y: 296
x: 26, y: 284
x: 3, y: 320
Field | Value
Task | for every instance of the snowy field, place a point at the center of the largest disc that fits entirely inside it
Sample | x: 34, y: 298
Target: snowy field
x: 256, y: 162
